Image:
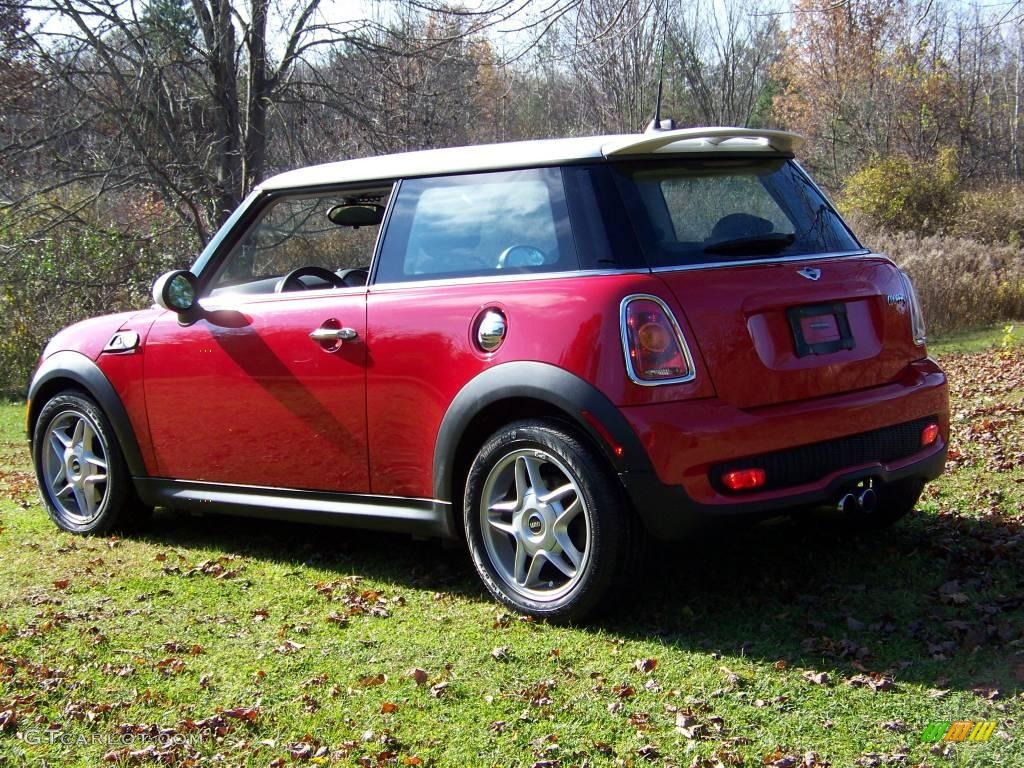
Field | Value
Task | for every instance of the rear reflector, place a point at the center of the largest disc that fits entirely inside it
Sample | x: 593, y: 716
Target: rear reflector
x: 744, y: 479
x: 929, y: 434
x: 604, y: 433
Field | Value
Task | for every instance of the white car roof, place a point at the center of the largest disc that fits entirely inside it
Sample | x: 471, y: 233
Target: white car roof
x: 524, y: 154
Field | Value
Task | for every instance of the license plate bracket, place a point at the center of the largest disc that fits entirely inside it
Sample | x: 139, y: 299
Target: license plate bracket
x: 820, y: 329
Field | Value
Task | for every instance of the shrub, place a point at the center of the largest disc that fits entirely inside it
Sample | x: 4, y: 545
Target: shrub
x: 54, y: 275
x: 897, y: 194
x: 961, y: 283
x: 994, y: 214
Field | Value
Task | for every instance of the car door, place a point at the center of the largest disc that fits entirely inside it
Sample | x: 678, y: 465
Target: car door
x: 266, y: 385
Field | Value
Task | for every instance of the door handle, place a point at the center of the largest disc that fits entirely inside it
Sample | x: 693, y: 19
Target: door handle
x: 324, y: 335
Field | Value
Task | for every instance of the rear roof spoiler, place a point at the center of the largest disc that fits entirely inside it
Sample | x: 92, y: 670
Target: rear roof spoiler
x: 704, y: 140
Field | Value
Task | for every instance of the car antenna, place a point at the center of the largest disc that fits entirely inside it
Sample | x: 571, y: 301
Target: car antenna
x: 657, y: 124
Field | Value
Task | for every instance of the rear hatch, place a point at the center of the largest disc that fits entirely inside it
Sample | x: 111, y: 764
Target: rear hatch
x: 784, y: 303
x: 771, y: 334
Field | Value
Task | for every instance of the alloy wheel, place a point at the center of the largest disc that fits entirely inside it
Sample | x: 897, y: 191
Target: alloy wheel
x: 75, y: 467
x: 535, y: 524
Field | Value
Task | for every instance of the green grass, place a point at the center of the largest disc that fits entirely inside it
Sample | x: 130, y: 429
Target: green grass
x: 978, y: 339
x: 97, y: 635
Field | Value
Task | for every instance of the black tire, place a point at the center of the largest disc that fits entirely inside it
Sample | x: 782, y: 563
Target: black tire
x: 895, y: 500
x: 112, y: 503
x: 602, y: 522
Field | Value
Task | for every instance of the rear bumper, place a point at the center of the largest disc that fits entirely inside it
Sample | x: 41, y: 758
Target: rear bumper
x: 684, y: 440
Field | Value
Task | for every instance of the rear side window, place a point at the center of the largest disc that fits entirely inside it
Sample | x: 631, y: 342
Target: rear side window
x: 710, y: 211
x: 508, y: 222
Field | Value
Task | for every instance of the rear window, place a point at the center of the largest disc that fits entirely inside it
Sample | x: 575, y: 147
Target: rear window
x: 710, y: 211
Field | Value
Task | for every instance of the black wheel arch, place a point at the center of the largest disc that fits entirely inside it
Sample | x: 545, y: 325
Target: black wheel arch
x: 550, y: 391
x: 73, y: 370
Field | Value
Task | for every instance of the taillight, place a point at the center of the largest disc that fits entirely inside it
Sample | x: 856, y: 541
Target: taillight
x: 655, y: 350
x: 916, y: 315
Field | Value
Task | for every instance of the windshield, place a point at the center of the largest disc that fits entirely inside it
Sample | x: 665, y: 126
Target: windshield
x: 696, y: 212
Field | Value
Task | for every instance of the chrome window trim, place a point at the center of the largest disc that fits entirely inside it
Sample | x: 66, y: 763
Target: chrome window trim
x: 488, y: 279
x: 623, y: 306
x: 755, y: 262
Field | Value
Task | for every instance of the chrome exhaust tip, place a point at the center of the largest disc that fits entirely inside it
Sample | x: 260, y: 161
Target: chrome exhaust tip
x: 867, y: 501
x: 848, y: 505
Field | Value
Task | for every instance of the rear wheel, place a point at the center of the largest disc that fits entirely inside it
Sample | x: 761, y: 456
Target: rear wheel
x: 545, y: 521
x: 81, y: 471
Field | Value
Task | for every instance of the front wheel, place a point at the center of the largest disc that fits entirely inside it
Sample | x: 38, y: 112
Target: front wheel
x: 545, y: 521
x: 81, y: 471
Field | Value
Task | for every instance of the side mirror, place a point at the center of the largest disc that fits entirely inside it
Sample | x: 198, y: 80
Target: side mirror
x: 176, y: 290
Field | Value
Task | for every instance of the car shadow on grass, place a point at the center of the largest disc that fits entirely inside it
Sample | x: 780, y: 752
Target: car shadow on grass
x: 937, y: 600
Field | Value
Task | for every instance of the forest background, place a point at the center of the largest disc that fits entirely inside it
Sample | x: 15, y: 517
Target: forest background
x: 130, y: 129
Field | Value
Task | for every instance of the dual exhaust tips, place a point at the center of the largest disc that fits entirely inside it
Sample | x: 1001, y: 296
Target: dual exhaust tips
x: 863, y: 502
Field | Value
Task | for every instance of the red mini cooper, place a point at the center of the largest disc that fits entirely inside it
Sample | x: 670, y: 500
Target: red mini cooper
x: 549, y: 349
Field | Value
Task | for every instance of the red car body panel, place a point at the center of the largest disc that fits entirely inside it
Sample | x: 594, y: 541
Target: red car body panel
x: 740, y: 318
x: 422, y: 352
x: 244, y: 396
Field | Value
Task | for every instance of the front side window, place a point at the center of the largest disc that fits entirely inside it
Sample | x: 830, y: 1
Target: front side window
x: 692, y: 212
x: 325, y: 236
x: 508, y: 222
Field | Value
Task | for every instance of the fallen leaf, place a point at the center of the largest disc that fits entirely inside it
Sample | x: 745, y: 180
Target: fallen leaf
x: 873, y: 680
x: 371, y: 681
x: 501, y: 653
x: 818, y: 678
x: 437, y: 691
x: 62, y: 583
x: 648, y: 752
x: 689, y: 726
x: 247, y: 714
x: 289, y: 646
x: 986, y: 692
x: 730, y: 677
x: 388, y: 708
x: 418, y: 675
x: 645, y: 665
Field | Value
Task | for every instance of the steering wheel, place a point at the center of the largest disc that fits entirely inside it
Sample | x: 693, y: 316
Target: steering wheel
x: 291, y: 281
x: 354, y: 277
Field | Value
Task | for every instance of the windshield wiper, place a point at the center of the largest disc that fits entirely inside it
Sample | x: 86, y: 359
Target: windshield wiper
x: 771, y: 243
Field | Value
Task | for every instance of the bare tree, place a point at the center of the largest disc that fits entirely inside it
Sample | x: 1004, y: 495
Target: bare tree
x: 722, y: 56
